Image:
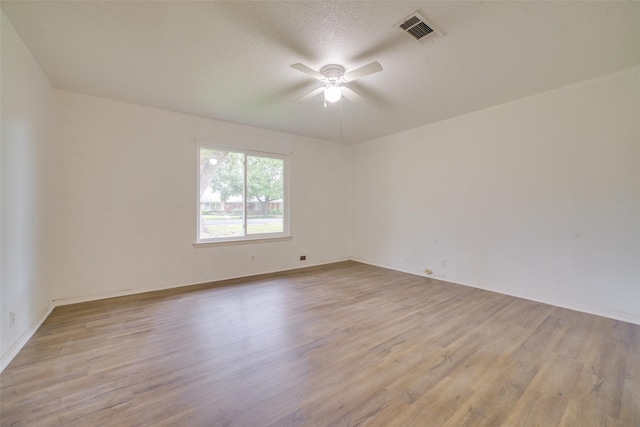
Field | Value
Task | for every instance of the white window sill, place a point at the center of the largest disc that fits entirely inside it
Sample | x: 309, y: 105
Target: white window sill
x: 209, y: 244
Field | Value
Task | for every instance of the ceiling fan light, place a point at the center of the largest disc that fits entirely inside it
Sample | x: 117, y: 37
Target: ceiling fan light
x: 332, y: 93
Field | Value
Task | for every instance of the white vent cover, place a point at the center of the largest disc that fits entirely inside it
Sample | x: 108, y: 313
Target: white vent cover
x: 417, y: 27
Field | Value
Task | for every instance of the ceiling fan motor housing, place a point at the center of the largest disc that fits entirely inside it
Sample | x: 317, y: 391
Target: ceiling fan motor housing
x: 332, y: 72
x: 334, y: 77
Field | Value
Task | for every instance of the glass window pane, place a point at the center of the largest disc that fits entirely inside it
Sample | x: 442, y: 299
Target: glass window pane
x: 265, y: 195
x: 221, y: 193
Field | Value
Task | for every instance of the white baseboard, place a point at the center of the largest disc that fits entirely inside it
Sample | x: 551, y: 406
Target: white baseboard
x: 22, y: 341
x: 200, y: 281
x: 17, y: 346
x: 597, y: 311
x: 25, y: 337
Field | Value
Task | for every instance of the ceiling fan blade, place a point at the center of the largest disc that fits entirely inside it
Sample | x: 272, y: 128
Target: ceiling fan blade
x: 365, y: 70
x: 372, y: 96
x: 351, y: 95
x: 308, y: 71
x: 310, y: 94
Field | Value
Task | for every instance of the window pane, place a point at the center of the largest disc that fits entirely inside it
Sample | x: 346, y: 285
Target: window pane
x: 221, y: 193
x: 265, y: 195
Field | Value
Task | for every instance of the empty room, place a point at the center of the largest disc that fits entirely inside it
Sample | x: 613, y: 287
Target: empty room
x: 320, y: 213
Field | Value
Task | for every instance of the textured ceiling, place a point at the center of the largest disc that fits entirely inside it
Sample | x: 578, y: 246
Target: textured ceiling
x: 231, y: 60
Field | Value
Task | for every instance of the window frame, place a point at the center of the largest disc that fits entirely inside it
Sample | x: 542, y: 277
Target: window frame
x: 245, y: 238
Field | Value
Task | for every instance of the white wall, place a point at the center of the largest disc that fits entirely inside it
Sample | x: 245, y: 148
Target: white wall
x: 538, y: 198
x: 28, y: 172
x: 127, y: 218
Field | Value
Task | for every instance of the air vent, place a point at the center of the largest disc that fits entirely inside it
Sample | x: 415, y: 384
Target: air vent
x: 420, y: 30
x: 416, y: 26
x: 410, y: 23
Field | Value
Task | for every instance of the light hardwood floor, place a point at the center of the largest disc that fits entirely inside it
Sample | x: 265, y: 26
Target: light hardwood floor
x: 345, y: 344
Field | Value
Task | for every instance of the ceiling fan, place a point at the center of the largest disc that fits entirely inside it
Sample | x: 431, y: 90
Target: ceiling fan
x: 334, y: 78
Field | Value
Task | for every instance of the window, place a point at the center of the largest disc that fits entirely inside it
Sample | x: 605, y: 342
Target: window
x: 243, y: 195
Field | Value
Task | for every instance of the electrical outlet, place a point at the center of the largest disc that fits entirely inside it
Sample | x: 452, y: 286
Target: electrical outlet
x: 303, y: 257
x: 253, y: 258
x: 12, y: 318
x: 443, y: 263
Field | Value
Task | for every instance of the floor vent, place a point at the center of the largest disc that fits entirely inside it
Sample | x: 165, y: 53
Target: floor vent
x: 416, y: 26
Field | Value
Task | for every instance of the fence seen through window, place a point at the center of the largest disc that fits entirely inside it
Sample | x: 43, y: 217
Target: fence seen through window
x: 242, y: 194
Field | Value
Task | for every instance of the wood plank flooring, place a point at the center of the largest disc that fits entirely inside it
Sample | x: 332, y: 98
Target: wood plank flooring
x: 346, y: 344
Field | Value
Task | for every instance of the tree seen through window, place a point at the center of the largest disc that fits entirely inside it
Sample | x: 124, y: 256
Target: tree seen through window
x: 240, y: 194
